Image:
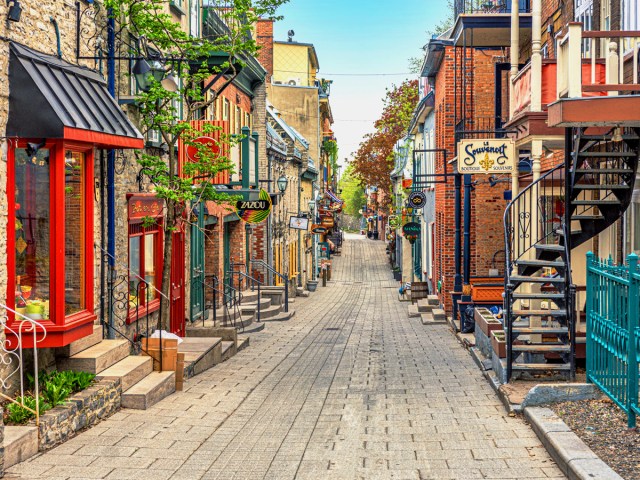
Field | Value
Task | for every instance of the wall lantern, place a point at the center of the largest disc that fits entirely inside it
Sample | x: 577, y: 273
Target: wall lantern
x: 312, y: 205
x: 146, y: 73
x: 15, y: 10
x: 282, y: 183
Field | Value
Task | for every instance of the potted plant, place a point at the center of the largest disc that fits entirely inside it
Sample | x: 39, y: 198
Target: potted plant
x: 397, y: 273
x: 312, y: 285
x: 499, y: 343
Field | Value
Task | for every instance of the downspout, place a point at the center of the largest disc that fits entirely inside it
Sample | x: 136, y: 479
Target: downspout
x: 457, y: 282
x: 102, y: 243
x: 269, y: 226
x: 299, y: 231
x: 111, y: 170
x: 466, y: 289
x: 57, y: 29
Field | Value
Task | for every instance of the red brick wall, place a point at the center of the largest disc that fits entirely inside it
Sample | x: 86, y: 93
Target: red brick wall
x: 264, y: 38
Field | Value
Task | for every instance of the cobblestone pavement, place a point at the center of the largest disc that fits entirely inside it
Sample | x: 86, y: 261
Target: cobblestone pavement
x: 349, y: 388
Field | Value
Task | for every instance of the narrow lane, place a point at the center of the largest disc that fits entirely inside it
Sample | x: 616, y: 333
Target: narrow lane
x: 349, y: 388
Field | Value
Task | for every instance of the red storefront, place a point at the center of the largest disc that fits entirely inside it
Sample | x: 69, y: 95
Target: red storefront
x: 59, y: 114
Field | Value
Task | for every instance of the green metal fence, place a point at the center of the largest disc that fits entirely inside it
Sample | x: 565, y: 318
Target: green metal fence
x: 613, y: 336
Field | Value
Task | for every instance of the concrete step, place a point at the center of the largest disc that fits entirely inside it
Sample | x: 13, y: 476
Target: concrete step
x: 272, y: 288
x: 150, y: 390
x: 20, y: 443
x: 424, y: 306
x: 439, y: 315
x: 246, y: 320
x: 254, y: 328
x: 200, y: 354
x: 266, y: 315
x: 433, y: 300
x: 97, y: 358
x: 229, y: 349
x: 413, y: 311
x: 430, y: 319
x: 243, y: 342
x: 249, y: 296
x: 81, y: 344
x: 129, y: 370
x: 264, y: 304
x: 282, y: 316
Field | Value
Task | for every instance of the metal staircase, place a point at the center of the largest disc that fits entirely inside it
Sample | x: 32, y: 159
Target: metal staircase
x: 595, y: 184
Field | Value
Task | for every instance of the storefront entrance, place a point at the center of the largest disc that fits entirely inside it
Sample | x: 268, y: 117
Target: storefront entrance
x: 197, y: 266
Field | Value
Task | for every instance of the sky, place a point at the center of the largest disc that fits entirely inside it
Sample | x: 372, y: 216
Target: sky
x: 360, y: 37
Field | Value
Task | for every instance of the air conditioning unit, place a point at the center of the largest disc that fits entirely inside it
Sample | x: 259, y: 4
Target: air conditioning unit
x: 293, y: 81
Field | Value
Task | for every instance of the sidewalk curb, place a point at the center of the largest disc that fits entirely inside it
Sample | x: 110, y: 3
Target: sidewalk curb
x: 572, y: 455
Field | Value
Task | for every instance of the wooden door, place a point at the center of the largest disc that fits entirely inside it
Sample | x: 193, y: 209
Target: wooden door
x: 177, y: 285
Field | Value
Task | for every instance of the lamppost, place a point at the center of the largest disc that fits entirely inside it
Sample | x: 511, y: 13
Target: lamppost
x: 312, y: 207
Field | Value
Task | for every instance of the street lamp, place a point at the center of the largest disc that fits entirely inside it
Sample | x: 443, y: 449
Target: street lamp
x: 312, y: 205
x: 146, y: 73
x: 282, y: 183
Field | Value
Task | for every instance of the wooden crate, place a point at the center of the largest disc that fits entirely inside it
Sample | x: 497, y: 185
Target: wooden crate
x: 419, y: 290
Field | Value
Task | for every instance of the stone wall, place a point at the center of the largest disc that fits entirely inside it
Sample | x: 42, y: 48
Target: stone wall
x: 80, y: 411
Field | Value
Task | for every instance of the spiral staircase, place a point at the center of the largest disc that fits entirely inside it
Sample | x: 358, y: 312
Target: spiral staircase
x: 564, y: 208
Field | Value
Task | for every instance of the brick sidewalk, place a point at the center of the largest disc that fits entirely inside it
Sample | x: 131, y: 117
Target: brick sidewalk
x: 349, y: 388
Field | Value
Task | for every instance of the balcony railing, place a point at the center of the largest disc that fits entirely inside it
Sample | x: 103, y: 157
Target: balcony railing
x: 480, y: 127
x: 466, y: 7
x: 617, y: 50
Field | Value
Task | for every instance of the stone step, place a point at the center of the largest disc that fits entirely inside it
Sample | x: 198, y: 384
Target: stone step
x: 264, y: 304
x: 150, y: 390
x: 243, y: 342
x: 200, y: 354
x: 439, y: 314
x: 19, y: 444
x: 129, y: 370
x: 229, y: 349
x: 413, y: 311
x: 431, y: 319
x: 246, y: 320
x: 255, y: 328
x: 303, y: 294
x: 81, y: 344
x: 97, y: 358
x: 433, y: 300
x: 272, y: 311
x: 282, y: 316
x: 424, y: 306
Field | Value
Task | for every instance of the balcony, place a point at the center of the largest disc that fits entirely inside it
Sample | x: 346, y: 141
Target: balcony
x: 487, y: 23
x: 589, y: 97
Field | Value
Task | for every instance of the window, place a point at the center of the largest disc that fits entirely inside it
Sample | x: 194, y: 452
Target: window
x: 238, y: 120
x: 194, y: 18
x: 145, y: 261
x: 50, y: 232
x: 225, y: 109
x: 584, y: 15
x: 630, y: 19
x: 632, y: 229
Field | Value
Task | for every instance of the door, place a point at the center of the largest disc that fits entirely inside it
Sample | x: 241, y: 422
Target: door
x: 226, y: 264
x: 197, y: 266
x: 176, y: 292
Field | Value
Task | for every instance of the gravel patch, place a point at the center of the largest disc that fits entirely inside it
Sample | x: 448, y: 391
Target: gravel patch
x: 603, y: 427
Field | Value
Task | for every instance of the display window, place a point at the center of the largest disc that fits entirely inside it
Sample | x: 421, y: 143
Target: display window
x: 50, y: 233
x: 145, y: 255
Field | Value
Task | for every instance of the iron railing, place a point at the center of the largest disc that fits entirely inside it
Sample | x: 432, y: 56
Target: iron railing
x: 261, y: 263
x: 613, y: 334
x: 10, y: 353
x: 252, y: 283
x: 462, y: 7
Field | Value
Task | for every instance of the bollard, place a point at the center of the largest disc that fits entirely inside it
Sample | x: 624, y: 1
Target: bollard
x: 324, y: 277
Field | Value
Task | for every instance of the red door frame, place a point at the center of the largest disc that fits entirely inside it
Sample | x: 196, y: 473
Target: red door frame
x: 61, y: 329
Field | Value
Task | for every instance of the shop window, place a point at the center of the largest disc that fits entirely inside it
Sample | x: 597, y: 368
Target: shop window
x: 74, y: 254
x: 32, y: 232
x: 145, y: 261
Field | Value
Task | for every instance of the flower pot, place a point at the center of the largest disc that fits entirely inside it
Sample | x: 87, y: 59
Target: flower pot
x: 312, y: 285
x: 397, y: 276
x: 486, y: 321
x: 499, y: 343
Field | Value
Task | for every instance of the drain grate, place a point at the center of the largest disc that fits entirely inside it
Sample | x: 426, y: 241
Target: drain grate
x: 332, y: 328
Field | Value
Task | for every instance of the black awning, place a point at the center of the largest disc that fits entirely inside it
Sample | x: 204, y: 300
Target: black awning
x: 51, y: 98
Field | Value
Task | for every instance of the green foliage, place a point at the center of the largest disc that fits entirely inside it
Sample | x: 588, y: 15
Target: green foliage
x: 352, y: 192
x: 16, y: 414
x: 57, y: 386
x: 55, y: 393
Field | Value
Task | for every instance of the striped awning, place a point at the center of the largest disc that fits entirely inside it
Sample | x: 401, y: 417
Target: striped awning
x: 333, y: 197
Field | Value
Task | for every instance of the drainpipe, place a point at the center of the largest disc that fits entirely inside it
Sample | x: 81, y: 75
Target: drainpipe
x: 299, y: 231
x: 466, y: 293
x: 57, y: 29
x: 269, y: 275
x: 111, y: 171
x: 536, y: 57
x: 457, y: 282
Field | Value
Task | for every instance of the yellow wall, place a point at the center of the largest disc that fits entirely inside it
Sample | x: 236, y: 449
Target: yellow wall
x: 293, y: 61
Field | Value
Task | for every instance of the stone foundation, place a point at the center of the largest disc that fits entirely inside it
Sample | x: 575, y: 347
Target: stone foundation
x: 80, y: 411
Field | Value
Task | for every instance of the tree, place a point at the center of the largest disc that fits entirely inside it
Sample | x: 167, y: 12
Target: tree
x: 352, y: 192
x: 164, y: 42
x: 373, y: 162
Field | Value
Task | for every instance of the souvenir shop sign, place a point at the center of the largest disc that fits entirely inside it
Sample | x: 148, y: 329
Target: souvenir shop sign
x: 496, y: 155
x: 255, y: 211
x: 318, y: 229
x: 327, y: 222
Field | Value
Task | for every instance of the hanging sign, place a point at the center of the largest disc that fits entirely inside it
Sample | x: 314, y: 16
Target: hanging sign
x: 497, y: 155
x: 318, y: 229
x: 144, y: 205
x: 417, y: 200
x: 255, y: 211
x: 394, y: 221
x: 411, y: 228
x: 193, y: 152
x: 299, y: 223
x: 327, y: 222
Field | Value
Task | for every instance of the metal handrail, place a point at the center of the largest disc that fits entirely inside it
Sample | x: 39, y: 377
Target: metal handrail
x: 285, y: 278
x: 34, y: 327
x: 254, y: 282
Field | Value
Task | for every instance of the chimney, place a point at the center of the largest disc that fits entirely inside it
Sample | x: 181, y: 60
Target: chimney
x: 265, y: 41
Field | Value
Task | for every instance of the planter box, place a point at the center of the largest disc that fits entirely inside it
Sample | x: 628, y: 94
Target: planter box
x: 397, y: 276
x: 486, y: 321
x: 499, y: 344
x: 82, y: 410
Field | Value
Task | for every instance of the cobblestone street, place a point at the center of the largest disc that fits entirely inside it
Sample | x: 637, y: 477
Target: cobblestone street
x: 348, y: 388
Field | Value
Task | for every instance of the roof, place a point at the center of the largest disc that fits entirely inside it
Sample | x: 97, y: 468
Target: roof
x: 69, y: 100
x: 275, y: 141
x: 422, y: 110
x: 401, y: 156
x: 291, y: 132
x: 435, y: 54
